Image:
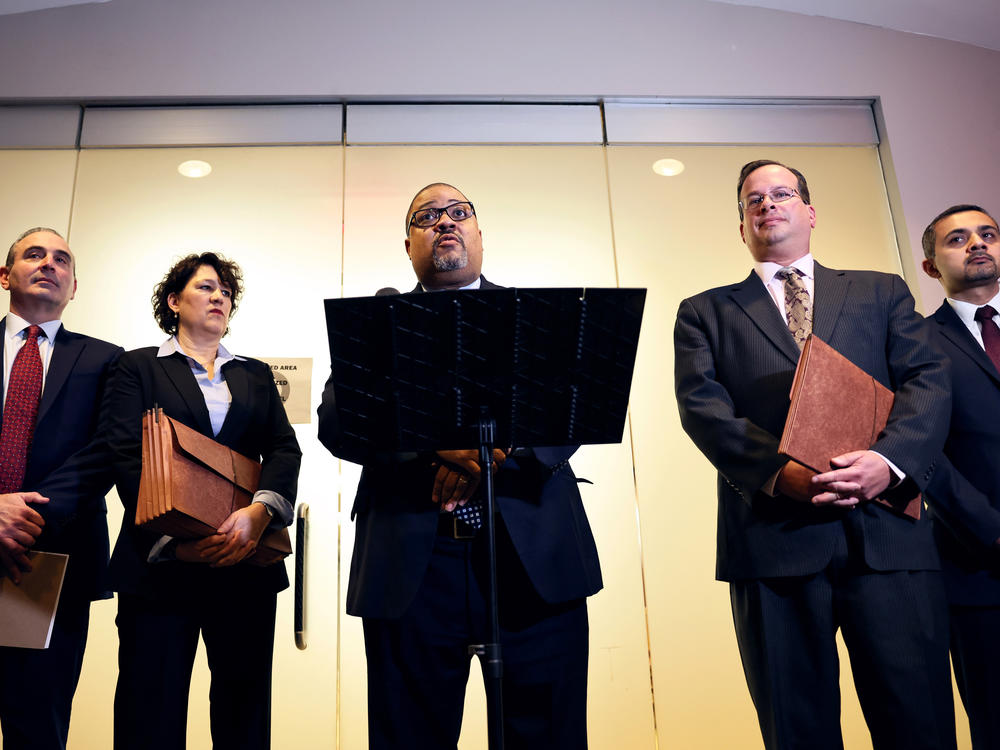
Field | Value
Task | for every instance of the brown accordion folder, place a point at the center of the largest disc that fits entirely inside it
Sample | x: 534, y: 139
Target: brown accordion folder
x: 190, y: 484
x: 836, y: 408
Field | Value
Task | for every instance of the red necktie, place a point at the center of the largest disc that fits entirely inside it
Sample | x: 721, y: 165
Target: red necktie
x: 20, y: 410
x: 991, y: 333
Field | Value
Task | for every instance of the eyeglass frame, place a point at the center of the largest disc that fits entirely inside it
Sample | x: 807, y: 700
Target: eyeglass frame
x: 745, y: 209
x: 441, y: 212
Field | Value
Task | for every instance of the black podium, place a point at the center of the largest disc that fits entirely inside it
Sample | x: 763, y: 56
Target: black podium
x: 514, y: 368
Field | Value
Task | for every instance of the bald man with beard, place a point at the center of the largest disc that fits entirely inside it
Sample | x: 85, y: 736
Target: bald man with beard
x: 419, y: 566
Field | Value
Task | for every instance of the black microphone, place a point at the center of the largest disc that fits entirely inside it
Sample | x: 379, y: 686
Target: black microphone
x: 386, y: 291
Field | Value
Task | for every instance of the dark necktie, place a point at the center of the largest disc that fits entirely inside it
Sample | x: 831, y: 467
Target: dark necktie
x: 798, y: 305
x: 991, y: 333
x: 20, y: 410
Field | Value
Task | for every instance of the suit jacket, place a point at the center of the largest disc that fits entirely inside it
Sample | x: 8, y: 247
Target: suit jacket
x: 734, y: 364
x: 964, y: 493
x: 255, y: 426
x: 66, y: 465
x: 536, y: 494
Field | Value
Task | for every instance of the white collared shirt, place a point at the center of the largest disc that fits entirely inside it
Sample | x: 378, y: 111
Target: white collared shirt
x: 474, y: 285
x: 966, y: 311
x: 218, y: 399
x: 214, y: 389
x: 15, y: 334
x: 776, y: 287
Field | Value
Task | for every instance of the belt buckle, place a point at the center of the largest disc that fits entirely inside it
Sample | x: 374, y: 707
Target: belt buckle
x: 456, y: 533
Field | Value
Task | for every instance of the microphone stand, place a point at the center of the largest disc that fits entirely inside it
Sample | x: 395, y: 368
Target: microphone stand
x: 489, y: 653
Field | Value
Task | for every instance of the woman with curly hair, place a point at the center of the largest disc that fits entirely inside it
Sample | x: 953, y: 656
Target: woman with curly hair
x: 172, y: 591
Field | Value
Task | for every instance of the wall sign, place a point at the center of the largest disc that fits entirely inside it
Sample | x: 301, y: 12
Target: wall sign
x: 293, y: 376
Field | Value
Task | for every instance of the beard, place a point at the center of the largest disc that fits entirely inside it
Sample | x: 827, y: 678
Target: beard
x: 981, y: 272
x: 450, y: 259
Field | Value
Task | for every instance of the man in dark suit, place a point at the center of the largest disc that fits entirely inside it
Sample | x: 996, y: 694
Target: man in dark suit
x: 417, y: 575
x: 962, y: 249
x: 60, y: 463
x: 806, y: 555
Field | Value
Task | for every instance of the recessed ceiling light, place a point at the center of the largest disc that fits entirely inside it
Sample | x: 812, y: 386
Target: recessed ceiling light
x: 194, y: 168
x: 668, y: 167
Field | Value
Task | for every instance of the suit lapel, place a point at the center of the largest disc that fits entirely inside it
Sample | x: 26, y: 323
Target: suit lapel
x: 752, y: 296
x: 178, y: 372
x: 829, y: 292
x: 955, y: 331
x: 67, y: 350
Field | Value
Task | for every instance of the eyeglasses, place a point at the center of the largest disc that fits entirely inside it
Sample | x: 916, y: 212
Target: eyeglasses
x: 428, y: 217
x: 778, y: 195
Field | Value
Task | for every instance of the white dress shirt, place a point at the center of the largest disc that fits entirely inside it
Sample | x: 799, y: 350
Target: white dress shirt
x: 218, y: 400
x: 474, y: 285
x: 776, y: 288
x: 15, y: 334
x: 966, y: 311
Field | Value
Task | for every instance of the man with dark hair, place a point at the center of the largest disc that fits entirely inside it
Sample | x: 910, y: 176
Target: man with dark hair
x: 962, y: 245
x: 419, y: 565
x: 928, y: 240
x: 800, y: 181
x: 807, y: 555
x: 52, y: 479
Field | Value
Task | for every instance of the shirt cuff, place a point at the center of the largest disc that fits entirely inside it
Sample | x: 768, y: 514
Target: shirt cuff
x: 899, y: 475
x: 154, y: 553
x: 769, y: 485
x: 281, y: 509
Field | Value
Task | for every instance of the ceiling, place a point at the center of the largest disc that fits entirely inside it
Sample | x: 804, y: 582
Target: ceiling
x: 24, y: 6
x: 969, y: 21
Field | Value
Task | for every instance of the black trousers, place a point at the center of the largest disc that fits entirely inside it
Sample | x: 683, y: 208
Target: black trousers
x: 157, y: 646
x: 895, y: 627
x: 975, y: 652
x: 418, y: 665
x: 37, y: 685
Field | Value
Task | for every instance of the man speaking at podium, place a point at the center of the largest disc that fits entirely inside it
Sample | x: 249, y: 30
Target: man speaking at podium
x: 804, y: 560
x: 418, y: 575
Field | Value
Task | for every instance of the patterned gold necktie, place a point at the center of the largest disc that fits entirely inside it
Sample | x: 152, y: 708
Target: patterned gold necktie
x: 798, y: 305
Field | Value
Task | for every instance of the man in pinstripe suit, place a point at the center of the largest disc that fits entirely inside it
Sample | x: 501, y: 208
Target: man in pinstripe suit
x: 805, y: 555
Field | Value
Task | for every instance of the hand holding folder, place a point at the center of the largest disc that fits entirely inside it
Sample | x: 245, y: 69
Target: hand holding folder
x: 190, y: 484
x: 836, y: 407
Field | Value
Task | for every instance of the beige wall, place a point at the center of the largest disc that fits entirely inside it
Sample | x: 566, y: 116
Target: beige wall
x: 940, y: 121
x: 940, y: 116
x: 664, y: 665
